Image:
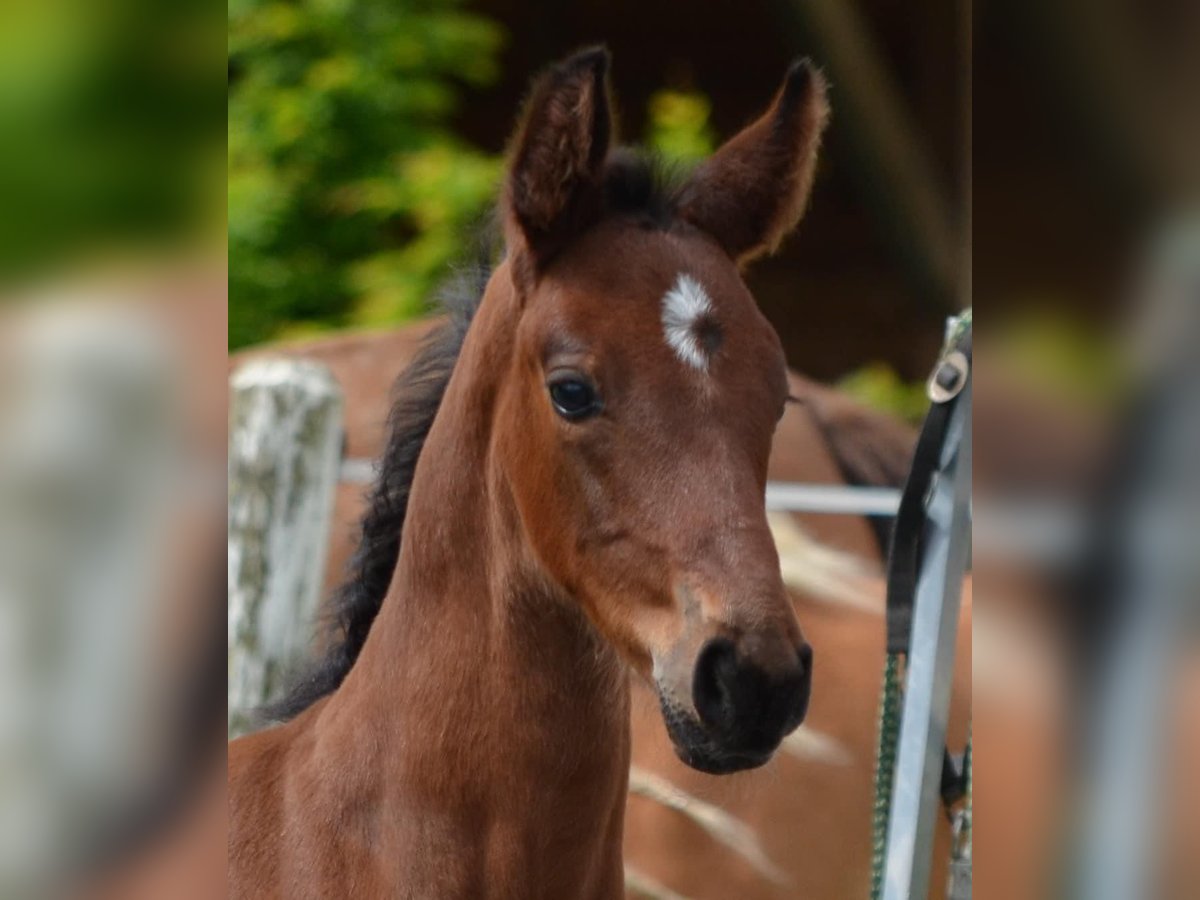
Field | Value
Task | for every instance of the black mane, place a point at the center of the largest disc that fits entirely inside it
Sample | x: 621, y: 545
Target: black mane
x: 636, y: 185
x: 417, y: 395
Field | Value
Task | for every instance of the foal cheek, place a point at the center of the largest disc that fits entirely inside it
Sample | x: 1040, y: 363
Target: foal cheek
x: 540, y: 485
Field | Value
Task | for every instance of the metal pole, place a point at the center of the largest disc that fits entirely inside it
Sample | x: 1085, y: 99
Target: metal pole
x: 915, y: 793
x: 284, y: 447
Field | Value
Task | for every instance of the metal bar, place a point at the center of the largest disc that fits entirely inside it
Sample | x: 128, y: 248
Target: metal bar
x: 1122, y: 801
x: 931, y: 666
x: 782, y: 496
x: 358, y: 471
x: 1029, y: 532
x: 786, y: 496
x: 1048, y: 532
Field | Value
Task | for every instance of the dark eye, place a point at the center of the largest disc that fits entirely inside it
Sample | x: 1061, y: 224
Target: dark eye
x: 573, y: 397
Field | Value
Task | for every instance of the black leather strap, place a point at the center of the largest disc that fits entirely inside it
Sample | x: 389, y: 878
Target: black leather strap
x: 908, y: 533
x: 904, y: 557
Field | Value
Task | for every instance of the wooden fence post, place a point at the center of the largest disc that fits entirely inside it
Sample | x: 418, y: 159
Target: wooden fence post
x: 285, y: 445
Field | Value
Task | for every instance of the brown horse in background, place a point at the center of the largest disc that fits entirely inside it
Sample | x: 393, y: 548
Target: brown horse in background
x: 587, y: 496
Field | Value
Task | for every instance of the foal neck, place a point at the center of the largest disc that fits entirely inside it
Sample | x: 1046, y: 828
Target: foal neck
x: 483, y: 701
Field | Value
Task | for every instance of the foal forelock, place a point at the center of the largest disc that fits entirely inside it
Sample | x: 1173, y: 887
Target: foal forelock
x: 687, y: 321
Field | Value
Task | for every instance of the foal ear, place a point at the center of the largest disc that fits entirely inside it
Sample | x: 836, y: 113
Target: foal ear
x: 753, y: 190
x: 553, y: 186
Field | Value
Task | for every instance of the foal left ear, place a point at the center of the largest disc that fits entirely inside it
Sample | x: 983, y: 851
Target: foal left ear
x: 553, y: 187
x: 753, y: 190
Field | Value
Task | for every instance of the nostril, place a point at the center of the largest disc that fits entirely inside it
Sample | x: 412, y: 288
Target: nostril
x: 713, y: 685
x: 745, y: 705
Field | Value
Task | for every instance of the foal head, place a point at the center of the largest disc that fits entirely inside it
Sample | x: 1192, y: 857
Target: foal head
x: 635, y: 424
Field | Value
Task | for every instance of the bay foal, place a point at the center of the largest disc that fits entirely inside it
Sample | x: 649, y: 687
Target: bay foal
x: 576, y: 486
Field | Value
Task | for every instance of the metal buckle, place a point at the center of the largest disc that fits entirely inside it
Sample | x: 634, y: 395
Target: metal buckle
x: 948, y: 378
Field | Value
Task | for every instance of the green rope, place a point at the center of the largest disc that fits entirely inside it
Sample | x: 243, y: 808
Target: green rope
x: 885, y: 769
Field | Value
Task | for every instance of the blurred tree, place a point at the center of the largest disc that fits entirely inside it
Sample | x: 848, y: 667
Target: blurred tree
x: 111, y: 131
x: 877, y: 385
x: 678, y: 126
x: 348, y: 193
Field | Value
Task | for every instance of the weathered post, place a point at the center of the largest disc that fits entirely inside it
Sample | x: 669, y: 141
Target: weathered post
x: 285, y: 439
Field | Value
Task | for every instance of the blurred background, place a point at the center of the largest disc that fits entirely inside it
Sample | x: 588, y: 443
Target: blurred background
x: 1086, y: 273
x: 112, y: 448
x: 1037, y: 159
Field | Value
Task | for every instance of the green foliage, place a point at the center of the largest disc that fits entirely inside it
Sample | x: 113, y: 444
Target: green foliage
x: 110, y: 130
x: 877, y: 385
x: 679, y: 128
x: 1067, y: 356
x: 348, y: 192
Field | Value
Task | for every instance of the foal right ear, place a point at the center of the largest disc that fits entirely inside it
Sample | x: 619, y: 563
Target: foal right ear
x: 553, y: 187
x: 753, y: 190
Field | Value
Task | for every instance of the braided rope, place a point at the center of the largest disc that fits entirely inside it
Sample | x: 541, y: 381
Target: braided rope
x: 885, y: 769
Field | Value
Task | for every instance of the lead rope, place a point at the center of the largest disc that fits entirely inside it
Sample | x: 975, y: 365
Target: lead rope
x: 885, y: 769
x: 904, y: 563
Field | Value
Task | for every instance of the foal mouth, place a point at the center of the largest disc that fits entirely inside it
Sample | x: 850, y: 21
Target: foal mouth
x: 721, y: 764
x: 697, y: 748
